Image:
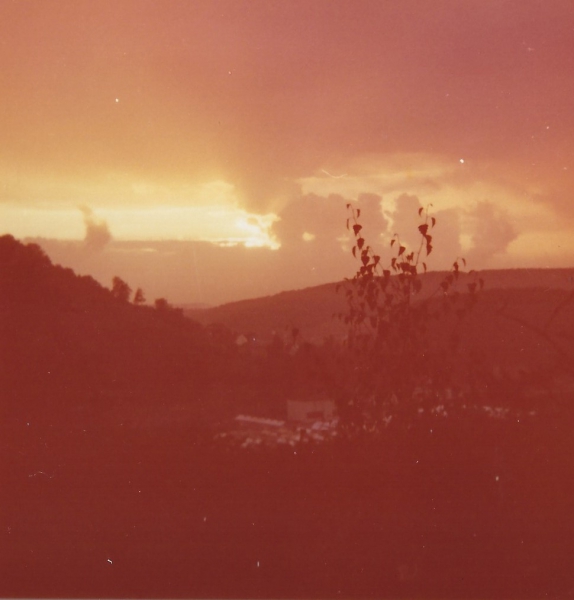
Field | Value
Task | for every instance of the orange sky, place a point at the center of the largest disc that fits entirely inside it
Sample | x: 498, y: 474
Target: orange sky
x: 205, y: 150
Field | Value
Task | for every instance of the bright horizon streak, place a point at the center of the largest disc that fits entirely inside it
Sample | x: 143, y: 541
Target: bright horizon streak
x: 217, y: 225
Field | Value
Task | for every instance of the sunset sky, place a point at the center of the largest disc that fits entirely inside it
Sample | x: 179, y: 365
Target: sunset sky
x: 205, y: 151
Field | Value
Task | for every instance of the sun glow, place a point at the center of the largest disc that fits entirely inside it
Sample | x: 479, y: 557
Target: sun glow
x: 256, y: 230
x: 222, y: 226
x: 138, y: 210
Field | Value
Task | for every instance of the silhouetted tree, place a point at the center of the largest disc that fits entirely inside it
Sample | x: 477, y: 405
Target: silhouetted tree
x: 139, y: 297
x: 164, y: 308
x: 161, y: 305
x: 120, y: 289
x: 393, y: 354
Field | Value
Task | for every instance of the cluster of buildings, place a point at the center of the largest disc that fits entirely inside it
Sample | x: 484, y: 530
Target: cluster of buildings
x: 312, y: 421
x: 316, y: 421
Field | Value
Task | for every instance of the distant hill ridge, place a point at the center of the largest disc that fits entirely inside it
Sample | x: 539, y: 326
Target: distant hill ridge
x: 311, y: 309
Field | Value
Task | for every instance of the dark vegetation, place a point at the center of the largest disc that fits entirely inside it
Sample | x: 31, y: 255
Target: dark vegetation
x: 70, y: 344
x: 112, y: 485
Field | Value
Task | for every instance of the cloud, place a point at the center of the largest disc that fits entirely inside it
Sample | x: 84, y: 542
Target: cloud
x: 262, y: 96
x: 491, y: 232
x: 322, y: 219
x: 405, y: 219
x: 260, y: 93
x: 487, y: 228
x: 446, y: 233
x: 446, y: 239
x: 98, y: 235
x: 319, y: 216
x: 313, y: 236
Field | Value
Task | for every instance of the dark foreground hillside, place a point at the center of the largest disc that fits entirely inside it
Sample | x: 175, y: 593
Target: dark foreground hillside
x: 66, y: 342
x: 111, y: 483
x: 447, y: 509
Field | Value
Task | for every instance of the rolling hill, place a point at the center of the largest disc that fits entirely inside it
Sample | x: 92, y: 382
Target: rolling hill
x: 311, y: 309
x: 524, y: 319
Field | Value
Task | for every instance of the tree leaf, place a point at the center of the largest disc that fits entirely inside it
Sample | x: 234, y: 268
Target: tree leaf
x: 357, y: 228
